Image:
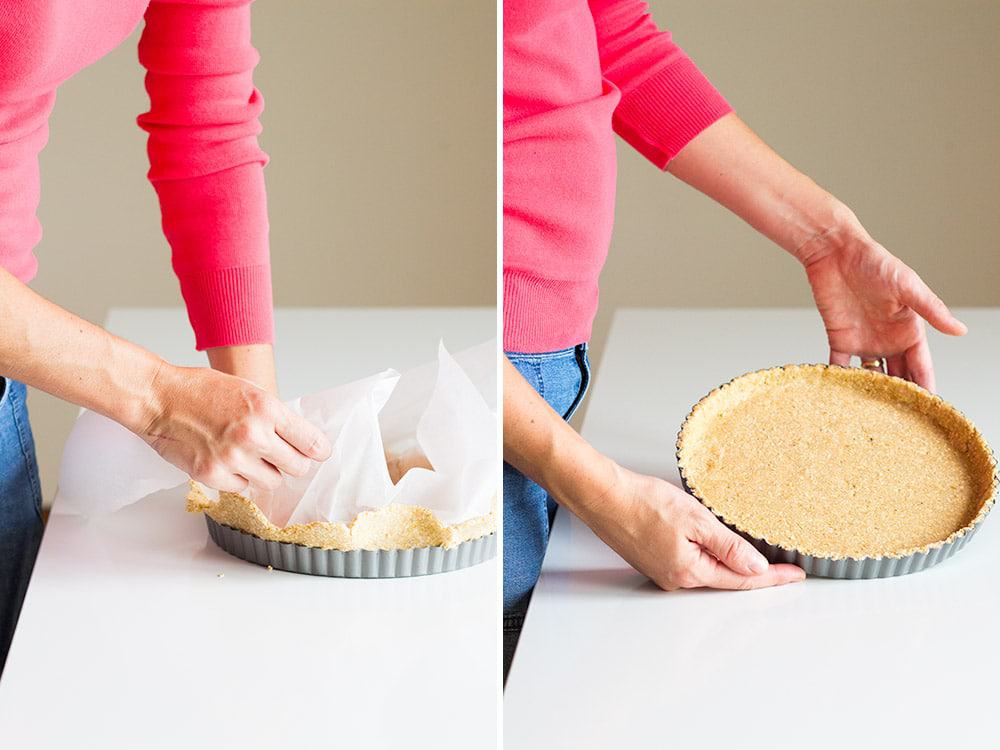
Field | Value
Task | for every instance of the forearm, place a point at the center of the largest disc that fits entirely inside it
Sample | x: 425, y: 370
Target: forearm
x: 49, y: 348
x: 542, y: 446
x: 729, y: 163
x: 253, y: 362
x: 207, y: 166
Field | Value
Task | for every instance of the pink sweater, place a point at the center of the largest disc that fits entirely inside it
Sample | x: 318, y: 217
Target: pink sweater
x: 203, y: 123
x: 574, y: 74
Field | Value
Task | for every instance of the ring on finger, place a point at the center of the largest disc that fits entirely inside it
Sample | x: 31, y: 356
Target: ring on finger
x: 873, y: 363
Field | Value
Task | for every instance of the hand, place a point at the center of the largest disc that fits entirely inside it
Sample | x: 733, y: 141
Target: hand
x: 667, y: 535
x: 874, y: 305
x: 871, y: 302
x: 226, y: 432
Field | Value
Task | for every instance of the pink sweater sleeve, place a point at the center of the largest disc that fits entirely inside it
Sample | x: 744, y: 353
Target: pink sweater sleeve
x: 666, y: 101
x: 206, y: 165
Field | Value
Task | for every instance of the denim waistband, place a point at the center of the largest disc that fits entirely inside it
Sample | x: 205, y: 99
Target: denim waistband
x: 570, y: 351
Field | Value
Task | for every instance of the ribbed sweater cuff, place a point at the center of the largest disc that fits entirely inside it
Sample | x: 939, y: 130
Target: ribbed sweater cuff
x: 229, y: 306
x: 660, y: 116
x: 546, y: 315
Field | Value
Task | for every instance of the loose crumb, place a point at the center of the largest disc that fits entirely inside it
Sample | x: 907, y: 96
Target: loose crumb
x: 270, y: 568
x: 221, y: 575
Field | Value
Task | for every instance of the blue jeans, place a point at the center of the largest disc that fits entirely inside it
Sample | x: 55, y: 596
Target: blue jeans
x: 20, y: 507
x: 561, y: 378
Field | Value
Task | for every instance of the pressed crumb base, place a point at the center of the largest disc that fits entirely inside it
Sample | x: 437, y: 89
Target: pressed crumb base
x: 836, y: 462
x: 391, y: 527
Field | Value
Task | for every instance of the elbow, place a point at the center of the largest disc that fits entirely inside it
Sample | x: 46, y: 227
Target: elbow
x: 202, y: 132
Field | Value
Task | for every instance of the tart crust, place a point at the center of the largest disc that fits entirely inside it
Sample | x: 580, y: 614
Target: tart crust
x: 837, y: 462
x: 392, y: 527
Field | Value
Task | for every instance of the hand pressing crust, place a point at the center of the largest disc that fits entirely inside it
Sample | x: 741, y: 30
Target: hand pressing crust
x: 226, y: 432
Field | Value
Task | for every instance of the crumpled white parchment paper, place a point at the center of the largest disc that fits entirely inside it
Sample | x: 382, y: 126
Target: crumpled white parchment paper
x: 437, y: 423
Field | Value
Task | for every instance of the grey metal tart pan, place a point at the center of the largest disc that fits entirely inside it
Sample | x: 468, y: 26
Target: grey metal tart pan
x: 395, y: 563
x: 850, y: 567
x: 847, y: 567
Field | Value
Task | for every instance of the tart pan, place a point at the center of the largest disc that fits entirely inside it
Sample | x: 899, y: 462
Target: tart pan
x: 852, y: 567
x: 361, y: 563
x: 849, y: 567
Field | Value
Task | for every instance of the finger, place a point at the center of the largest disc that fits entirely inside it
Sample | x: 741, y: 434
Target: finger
x: 286, y: 458
x: 896, y: 365
x: 919, y: 297
x: 919, y: 364
x: 714, y: 575
x: 729, y: 547
x: 260, y: 474
x: 224, y: 481
x: 839, y: 358
x: 304, y: 436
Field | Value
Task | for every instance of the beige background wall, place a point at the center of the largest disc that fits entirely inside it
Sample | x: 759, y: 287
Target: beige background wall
x: 380, y: 124
x: 891, y: 105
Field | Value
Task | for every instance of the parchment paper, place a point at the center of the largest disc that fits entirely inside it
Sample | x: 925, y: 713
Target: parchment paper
x: 425, y: 437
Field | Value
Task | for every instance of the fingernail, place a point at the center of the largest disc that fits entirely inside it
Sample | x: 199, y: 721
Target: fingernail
x: 758, y: 564
x: 322, y: 448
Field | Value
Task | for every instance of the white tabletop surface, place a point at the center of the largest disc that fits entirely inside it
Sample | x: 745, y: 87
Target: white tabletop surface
x: 607, y: 660
x: 129, y: 637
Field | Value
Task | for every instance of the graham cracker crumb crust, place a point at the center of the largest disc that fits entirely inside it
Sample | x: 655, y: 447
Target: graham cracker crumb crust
x: 392, y: 527
x: 837, y: 462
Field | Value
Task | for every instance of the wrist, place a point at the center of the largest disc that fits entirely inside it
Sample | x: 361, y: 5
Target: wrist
x: 584, y: 480
x: 253, y: 362
x: 143, y: 396
x: 831, y: 227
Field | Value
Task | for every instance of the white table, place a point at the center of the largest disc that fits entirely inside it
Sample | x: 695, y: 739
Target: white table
x: 129, y: 637
x: 607, y: 660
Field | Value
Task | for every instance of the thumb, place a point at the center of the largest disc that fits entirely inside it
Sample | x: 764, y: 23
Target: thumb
x: 732, y: 550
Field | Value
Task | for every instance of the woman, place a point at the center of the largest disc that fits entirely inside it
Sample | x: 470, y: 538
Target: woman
x: 224, y: 426
x: 575, y: 73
